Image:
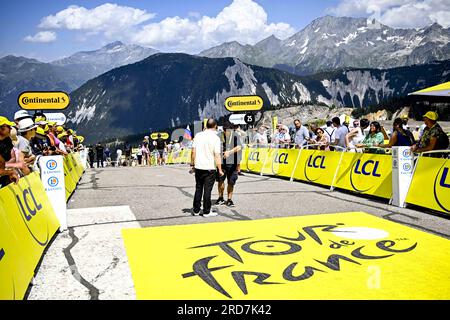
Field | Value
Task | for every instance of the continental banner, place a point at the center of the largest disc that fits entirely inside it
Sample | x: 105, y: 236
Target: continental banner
x: 280, y: 162
x: 430, y: 185
x: 28, y: 223
x: 353, y: 255
x: 255, y: 159
x: 366, y: 173
x: 317, y: 166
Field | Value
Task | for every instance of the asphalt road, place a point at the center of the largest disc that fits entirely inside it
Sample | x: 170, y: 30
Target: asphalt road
x: 89, y: 261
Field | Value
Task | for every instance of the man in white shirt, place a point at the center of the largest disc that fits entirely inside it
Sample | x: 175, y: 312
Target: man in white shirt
x: 341, y: 132
x: 330, y: 131
x: 119, y: 157
x: 260, y: 138
x: 205, y: 157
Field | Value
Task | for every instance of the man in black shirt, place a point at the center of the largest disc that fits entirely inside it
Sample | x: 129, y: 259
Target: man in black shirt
x: 6, y: 146
x: 161, y: 146
x: 231, y: 157
x: 40, y: 143
x: 91, y: 155
x: 100, y: 154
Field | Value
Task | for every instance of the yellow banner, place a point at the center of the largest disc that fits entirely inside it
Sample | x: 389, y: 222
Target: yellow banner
x: 255, y: 159
x: 280, y: 162
x: 14, y: 274
x: 430, y: 186
x: 43, y: 100
x: 317, y: 166
x: 164, y: 135
x: 170, y: 158
x: 274, y: 124
x: 366, y: 173
x: 70, y: 179
x: 243, y: 103
x: 334, y: 256
x: 32, y: 222
x: 245, y: 151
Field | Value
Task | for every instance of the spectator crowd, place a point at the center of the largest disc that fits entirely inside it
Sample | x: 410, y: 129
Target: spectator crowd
x: 29, y: 137
x: 360, y: 135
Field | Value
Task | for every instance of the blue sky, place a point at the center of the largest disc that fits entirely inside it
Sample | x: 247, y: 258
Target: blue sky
x: 19, y: 19
x: 47, y: 30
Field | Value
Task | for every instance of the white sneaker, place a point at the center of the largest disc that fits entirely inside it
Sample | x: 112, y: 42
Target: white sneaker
x: 211, y: 214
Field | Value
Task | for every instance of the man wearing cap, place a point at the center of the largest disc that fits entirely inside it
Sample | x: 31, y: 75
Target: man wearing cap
x: 6, y: 175
x: 40, y: 143
x: 63, y: 138
x: 21, y: 114
x: 433, y: 137
x: 405, y: 119
x: 27, y: 130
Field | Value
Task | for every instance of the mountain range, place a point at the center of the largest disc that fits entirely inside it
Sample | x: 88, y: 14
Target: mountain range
x: 335, y: 61
x: 18, y: 74
x: 167, y: 90
x: 330, y: 43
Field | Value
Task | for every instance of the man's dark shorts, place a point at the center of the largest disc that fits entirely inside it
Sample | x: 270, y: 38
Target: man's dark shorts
x: 161, y: 152
x: 230, y: 173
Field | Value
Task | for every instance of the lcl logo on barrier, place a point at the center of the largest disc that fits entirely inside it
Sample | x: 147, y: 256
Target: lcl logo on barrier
x: 315, y: 162
x: 29, y: 208
x: 278, y: 160
x: 51, y: 164
x: 442, y: 188
x: 318, y: 162
x: 367, y: 168
x: 253, y: 156
x: 281, y: 158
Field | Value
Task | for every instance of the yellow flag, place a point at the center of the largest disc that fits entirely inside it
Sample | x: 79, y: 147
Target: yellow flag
x: 274, y: 123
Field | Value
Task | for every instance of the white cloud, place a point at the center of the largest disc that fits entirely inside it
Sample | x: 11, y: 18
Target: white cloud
x: 107, y: 18
x: 397, y: 13
x: 42, y: 37
x: 243, y: 20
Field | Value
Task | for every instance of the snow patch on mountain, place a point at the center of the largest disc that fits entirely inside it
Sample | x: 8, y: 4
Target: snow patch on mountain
x: 85, y: 112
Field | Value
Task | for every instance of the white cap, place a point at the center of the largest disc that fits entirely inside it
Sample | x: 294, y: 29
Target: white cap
x: 21, y: 114
x: 26, y: 125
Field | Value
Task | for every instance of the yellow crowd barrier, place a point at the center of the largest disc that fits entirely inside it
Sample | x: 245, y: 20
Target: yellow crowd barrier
x: 317, y: 166
x: 73, y: 170
x: 366, y: 173
x: 255, y: 159
x: 27, y: 224
x: 359, y: 172
x: 280, y: 162
x: 430, y: 185
x: 180, y: 156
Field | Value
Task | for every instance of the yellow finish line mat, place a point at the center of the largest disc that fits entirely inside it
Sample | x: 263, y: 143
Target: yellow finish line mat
x: 350, y: 255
